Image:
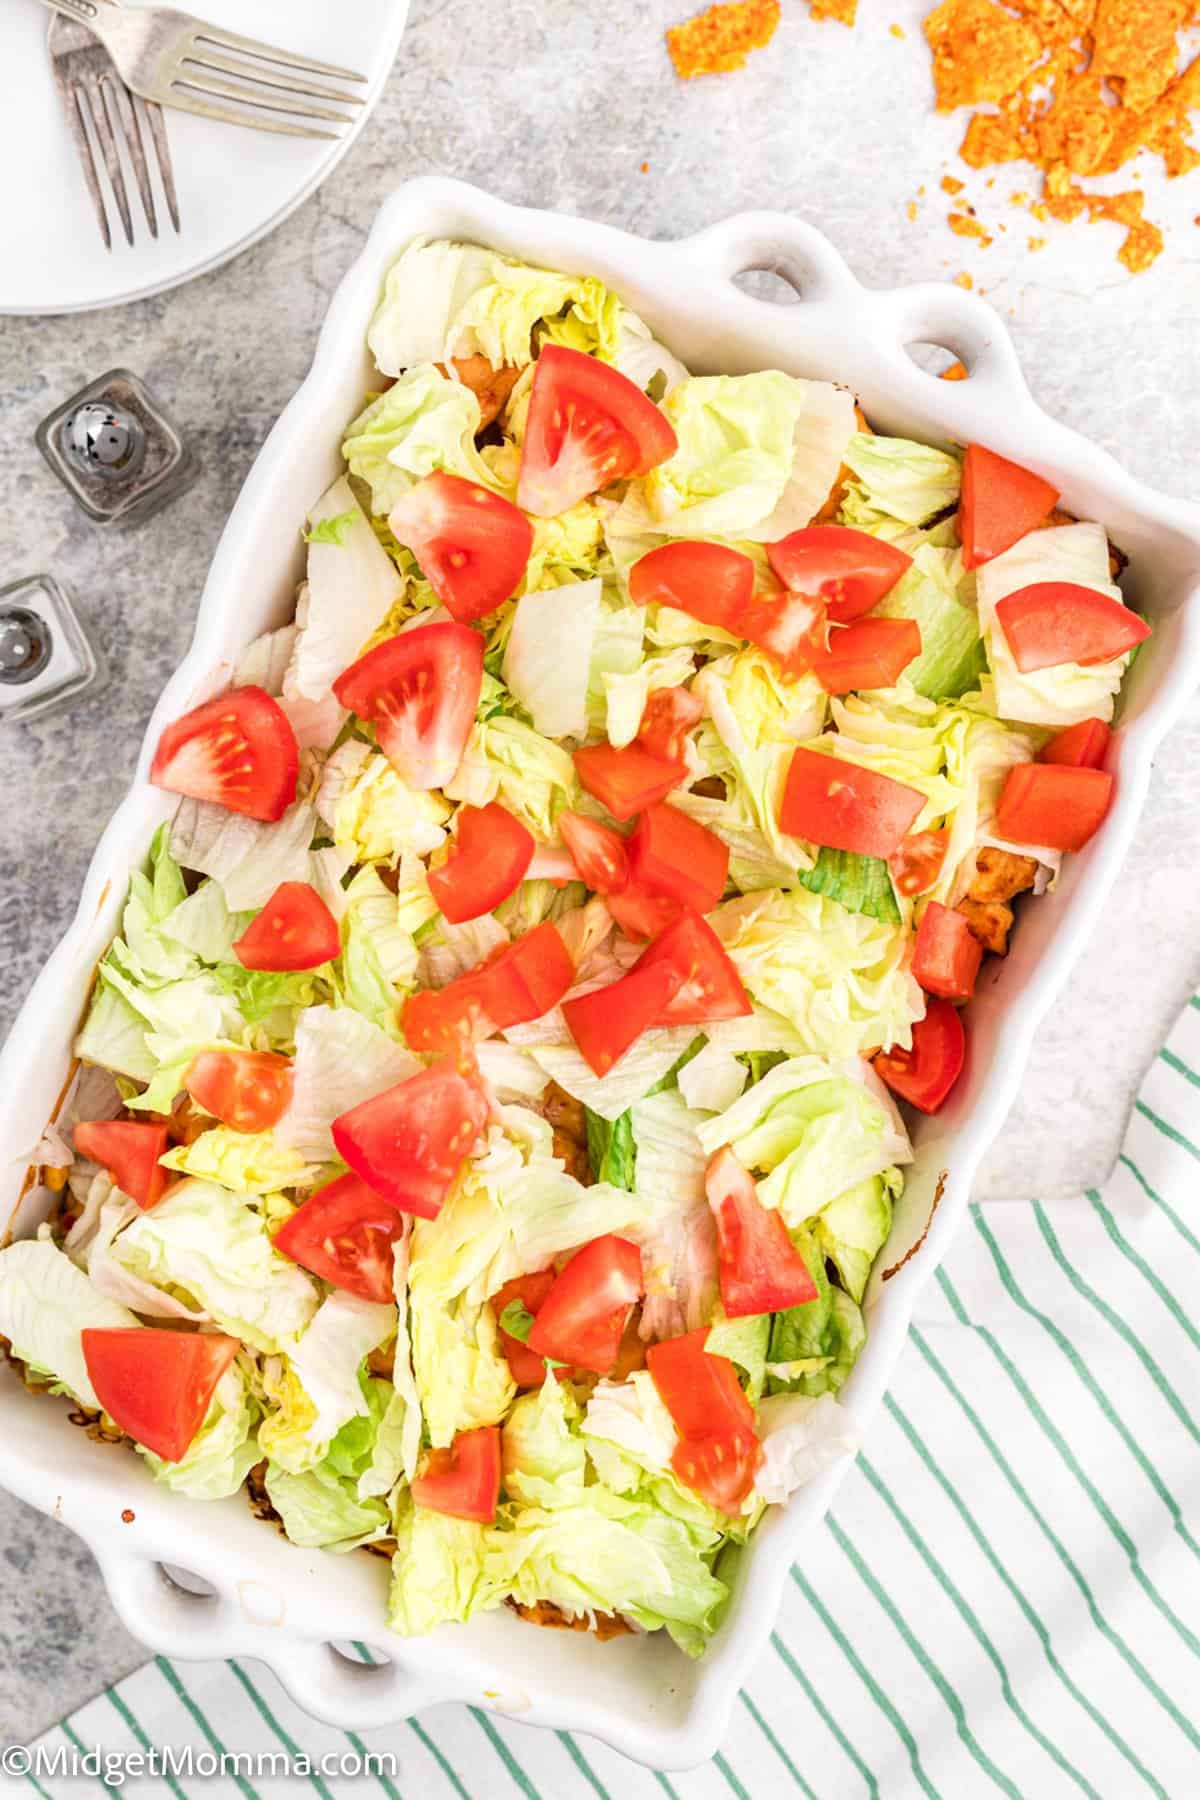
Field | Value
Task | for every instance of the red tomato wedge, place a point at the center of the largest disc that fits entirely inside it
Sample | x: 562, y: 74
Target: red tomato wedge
x: 641, y: 914
x: 1000, y: 502
x: 463, y: 1480
x: 472, y: 545
x: 848, y: 571
x: 239, y: 751
x: 583, y: 1317
x: 522, y: 981
x: 873, y: 653
x: 673, y: 855
x: 607, y: 1021
x: 946, y: 954
x: 488, y: 860
x: 710, y: 581
x: 248, y: 1090
x: 629, y: 780
x: 588, y: 426
x: 830, y: 801
x: 130, y: 1153
x: 670, y: 714
x: 597, y: 851
x: 1053, y: 804
x: 156, y: 1385
x: 704, y: 983
x: 785, y: 626
x: 925, y: 1074
x: 1055, y: 622
x: 1082, y: 746
x: 344, y: 1233
x: 720, y: 1469
x: 419, y: 690
x: 760, y: 1268
x: 917, y: 860
x: 409, y: 1142
x: 718, y: 1452
x: 294, y: 930
x: 526, y: 1367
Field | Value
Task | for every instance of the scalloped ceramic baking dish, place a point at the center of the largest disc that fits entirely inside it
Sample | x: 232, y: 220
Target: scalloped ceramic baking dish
x: 288, y: 1606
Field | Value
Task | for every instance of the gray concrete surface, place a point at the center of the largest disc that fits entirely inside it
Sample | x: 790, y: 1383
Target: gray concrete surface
x: 561, y: 105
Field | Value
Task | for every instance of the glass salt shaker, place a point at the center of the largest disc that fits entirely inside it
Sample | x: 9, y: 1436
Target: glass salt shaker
x: 116, y: 451
x: 46, y: 657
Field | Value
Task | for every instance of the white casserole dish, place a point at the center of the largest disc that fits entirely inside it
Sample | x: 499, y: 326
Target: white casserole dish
x: 286, y: 1605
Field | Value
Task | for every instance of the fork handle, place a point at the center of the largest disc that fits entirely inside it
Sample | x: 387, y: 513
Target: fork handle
x: 84, y: 11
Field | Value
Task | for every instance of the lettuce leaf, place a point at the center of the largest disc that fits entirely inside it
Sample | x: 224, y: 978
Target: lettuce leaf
x: 45, y: 1303
x: 223, y: 1451
x: 372, y: 812
x: 612, y: 1150
x: 530, y: 774
x: 424, y: 422
x: 952, y: 658
x: 851, y: 1229
x: 549, y: 654
x: 341, y: 1058
x: 352, y: 586
x: 862, y: 884
x: 897, y: 481
x: 814, y: 1347
x: 247, y: 1162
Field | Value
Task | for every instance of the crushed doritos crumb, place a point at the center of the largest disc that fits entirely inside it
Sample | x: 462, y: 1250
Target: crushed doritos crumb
x: 898, y: 31
x: 964, y: 280
x: 721, y: 37
x: 951, y: 184
x: 956, y: 371
x: 963, y: 225
x: 912, y: 209
x: 1037, y: 243
x: 843, y: 11
x: 1078, y: 88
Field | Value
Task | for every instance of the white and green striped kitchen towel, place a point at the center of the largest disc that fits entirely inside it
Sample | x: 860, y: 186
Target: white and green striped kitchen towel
x: 1005, y: 1599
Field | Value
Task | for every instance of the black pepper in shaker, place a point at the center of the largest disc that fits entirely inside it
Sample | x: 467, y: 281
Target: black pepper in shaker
x: 115, y: 450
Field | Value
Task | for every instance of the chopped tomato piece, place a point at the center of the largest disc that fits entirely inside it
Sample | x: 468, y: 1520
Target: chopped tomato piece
x: 720, y: 1469
x: 597, y: 851
x: 248, y: 1090
x: 674, y: 855
x: 239, y: 751
x: 156, y: 1385
x: 946, y: 954
x: 848, y: 571
x: 294, y: 930
x: 607, y: 1021
x: 711, y: 582
x: 1053, y: 804
x: 472, y: 545
x: 786, y: 626
x: 1053, y: 622
x: 409, y: 1142
x: 522, y: 981
x: 925, y: 1074
x: 669, y: 715
x: 130, y: 1153
x: 641, y: 914
x: 526, y: 1367
x: 420, y: 690
x: 488, y: 860
x: 704, y: 983
x: 626, y: 781
x: 588, y: 426
x: 463, y: 1480
x: 828, y: 800
x: 1000, y: 502
x: 344, y: 1233
x: 760, y: 1268
x: 718, y: 1452
x: 583, y: 1318
x: 873, y: 653
x: 917, y: 860
x: 1082, y: 746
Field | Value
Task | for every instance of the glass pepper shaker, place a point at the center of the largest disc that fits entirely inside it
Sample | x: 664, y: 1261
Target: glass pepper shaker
x: 46, y: 657
x: 116, y: 451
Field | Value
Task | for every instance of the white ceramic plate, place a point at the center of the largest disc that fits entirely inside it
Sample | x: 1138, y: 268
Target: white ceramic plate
x: 234, y: 185
x: 289, y: 1606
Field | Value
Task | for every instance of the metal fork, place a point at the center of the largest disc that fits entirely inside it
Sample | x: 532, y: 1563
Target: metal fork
x: 179, y: 60
x: 95, y: 97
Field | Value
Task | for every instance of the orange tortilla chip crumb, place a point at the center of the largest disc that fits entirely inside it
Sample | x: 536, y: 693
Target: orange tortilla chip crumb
x: 897, y: 31
x: 843, y: 11
x: 721, y: 37
x: 951, y: 184
x: 912, y: 209
x: 980, y: 52
x: 963, y: 225
x: 964, y: 280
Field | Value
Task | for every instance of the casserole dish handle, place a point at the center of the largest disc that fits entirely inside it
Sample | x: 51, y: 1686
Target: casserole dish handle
x: 927, y: 313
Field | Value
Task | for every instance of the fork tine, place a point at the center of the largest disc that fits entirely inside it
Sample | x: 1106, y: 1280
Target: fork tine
x: 187, y: 100
x: 158, y: 134
x: 108, y: 149
x: 88, y: 163
x: 265, y: 77
x: 229, y: 40
x: 197, y: 76
x: 119, y: 100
